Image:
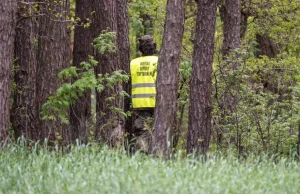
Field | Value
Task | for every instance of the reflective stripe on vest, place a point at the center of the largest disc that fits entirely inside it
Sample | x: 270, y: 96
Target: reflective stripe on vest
x: 143, y: 85
x: 143, y: 95
x: 143, y: 76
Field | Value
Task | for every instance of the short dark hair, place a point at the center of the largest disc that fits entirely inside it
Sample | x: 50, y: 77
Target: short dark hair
x: 147, y: 46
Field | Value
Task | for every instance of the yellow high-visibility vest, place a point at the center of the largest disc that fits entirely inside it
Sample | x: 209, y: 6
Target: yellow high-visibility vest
x: 143, y: 78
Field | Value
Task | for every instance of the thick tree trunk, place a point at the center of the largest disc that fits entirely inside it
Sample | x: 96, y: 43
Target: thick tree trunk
x: 231, y: 17
x: 107, y: 121
x: 24, y: 111
x: 199, y: 127
x: 53, y: 56
x: 167, y: 80
x: 7, y: 35
x: 124, y: 52
x: 80, y: 113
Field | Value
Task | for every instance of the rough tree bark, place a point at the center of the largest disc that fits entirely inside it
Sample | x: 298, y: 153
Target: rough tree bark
x: 267, y: 46
x: 105, y: 18
x: 24, y: 110
x: 124, y: 51
x: 298, y: 143
x: 230, y: 12
x: 231, y: 17
x: 53, y: 56
x: 7, y: 35
x: 80, y: 113
x: 199, y: 126
x: 245, y: 13
x: 148, y: 25
x: 147, y: 22
x: 167, y: 78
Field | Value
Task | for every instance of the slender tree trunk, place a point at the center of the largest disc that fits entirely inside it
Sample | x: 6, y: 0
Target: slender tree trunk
x: 167, y: 80
x: 267, y: 46
x: 80, y: 113
x: 53, y: 56
x: 244, y: 18
x: 298, y: 143
x: 231, y: 17
x: 24, y: 110
x: 199, y: 127
x: 124, y: 52
x: 148, y: 24
x: 7, y: 35
x: 107, y: 121
x: 178, y: 126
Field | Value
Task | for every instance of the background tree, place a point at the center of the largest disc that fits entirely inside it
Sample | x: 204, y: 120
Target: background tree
x: 24, y: 110
x: 167, y: 78
x: 53, y: 56
x: 230, y: 13
x: 80, y: 113
x: 105, y: 18
x: 124, y: 51
x: 7, y: 35
x: 199, y: 129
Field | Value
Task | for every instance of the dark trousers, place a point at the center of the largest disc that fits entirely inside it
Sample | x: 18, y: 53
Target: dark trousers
x: 141, y: 134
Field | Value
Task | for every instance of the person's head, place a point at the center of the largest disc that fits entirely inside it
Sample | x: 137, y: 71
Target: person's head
x: 147, y: 45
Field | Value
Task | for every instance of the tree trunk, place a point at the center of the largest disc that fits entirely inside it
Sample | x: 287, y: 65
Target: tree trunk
x: 245, y: 14
x: 167, y: 80
x: 148, y: 24
x: 53, y: 56
x: 24, y: 110
x: 80, y: 113
x: 107, y: 121
x: 298, y: 143
x: 199, y: 126
x: 231, y: 17
x: 267, y: 46
x: 7, y: 35
x: 124, y: 52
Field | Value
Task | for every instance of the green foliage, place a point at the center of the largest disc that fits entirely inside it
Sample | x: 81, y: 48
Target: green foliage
x: 146, y: 17
x: 278, y: 19
x: 92, y: 169
x: 266, y: 90
x: 265, y: 114
x: 84, y: 79
x: 105, y: 42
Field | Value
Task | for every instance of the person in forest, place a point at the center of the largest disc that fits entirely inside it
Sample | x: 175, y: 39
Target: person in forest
x: 143, y: 79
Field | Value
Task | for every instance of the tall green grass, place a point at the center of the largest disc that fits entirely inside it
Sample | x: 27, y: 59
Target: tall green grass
x: 100, y: 170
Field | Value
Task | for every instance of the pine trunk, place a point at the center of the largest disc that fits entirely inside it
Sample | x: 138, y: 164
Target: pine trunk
x: 199, y: 126
x: 24, y: 110
x: 231, y: 17
x: 124, y: 52
x: 7, y: 35
x: 167, y: 80
x: 80, y: 113
x: 53, y: 56
x: 266, y: 46
x: 107, y: 121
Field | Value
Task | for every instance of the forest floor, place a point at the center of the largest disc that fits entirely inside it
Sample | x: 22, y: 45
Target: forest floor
x: 100, y: 170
